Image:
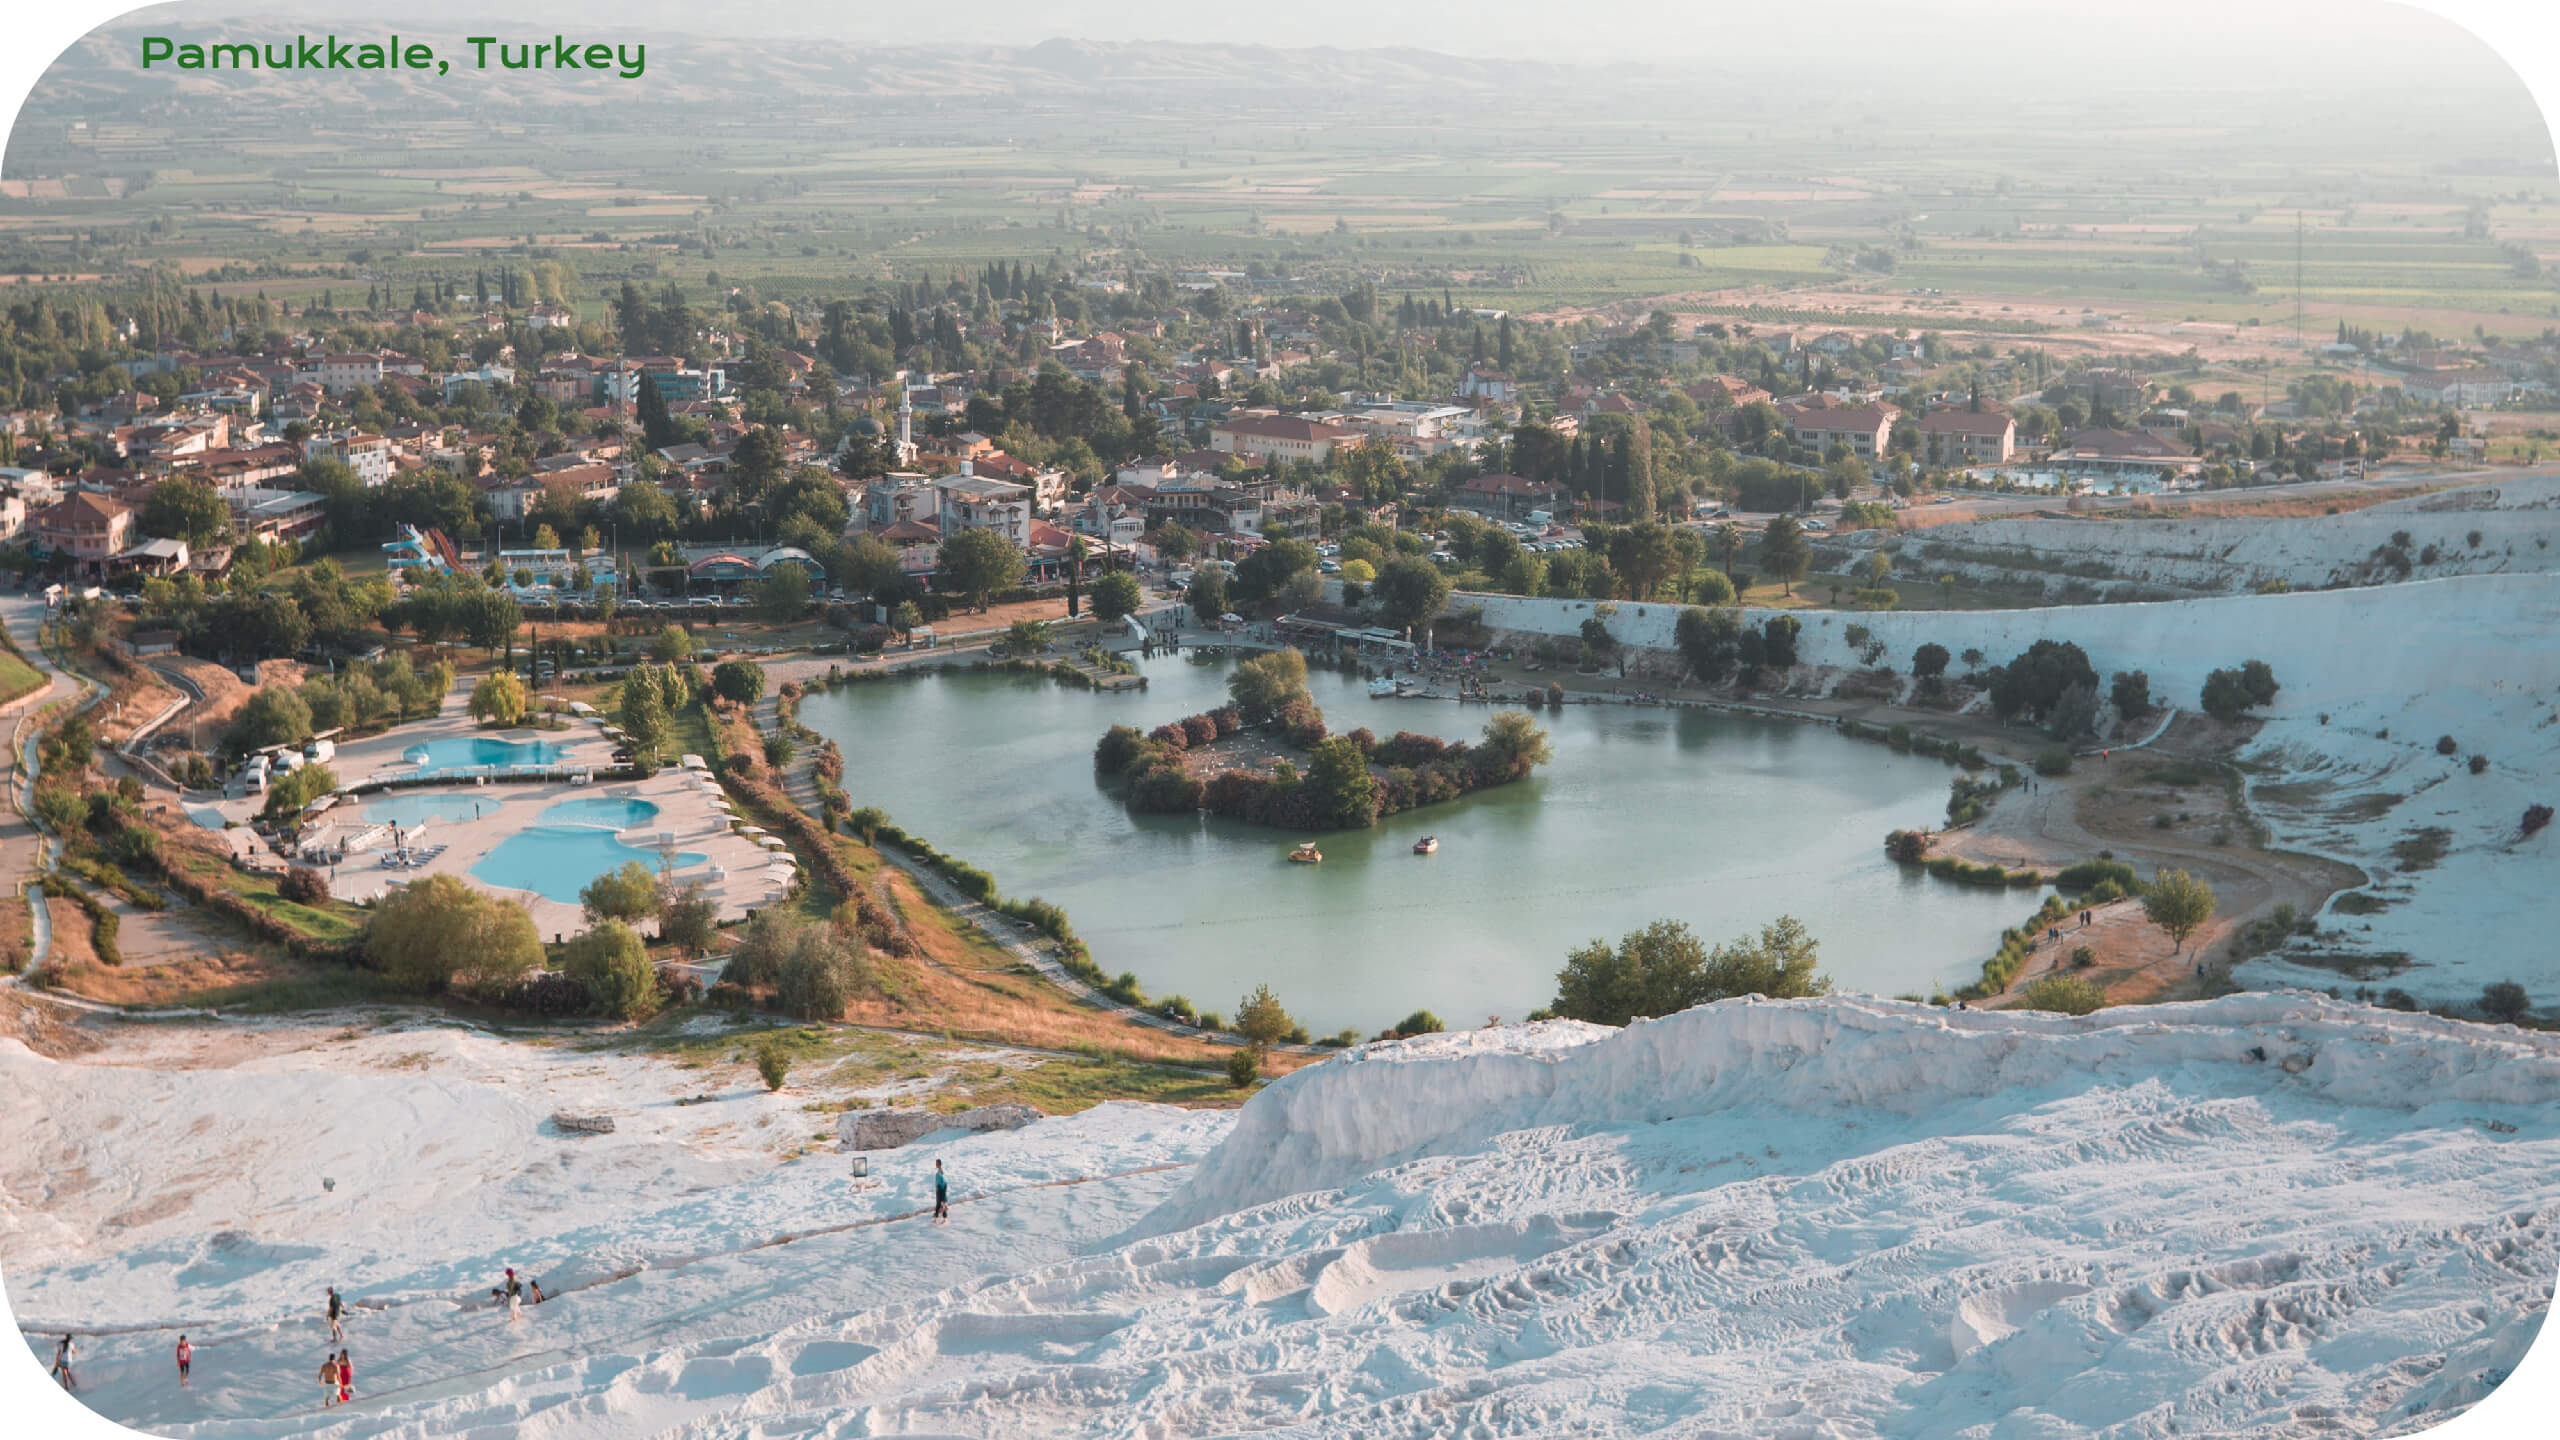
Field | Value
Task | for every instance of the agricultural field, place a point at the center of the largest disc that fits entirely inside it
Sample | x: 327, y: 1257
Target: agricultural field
x: 1507, y: 186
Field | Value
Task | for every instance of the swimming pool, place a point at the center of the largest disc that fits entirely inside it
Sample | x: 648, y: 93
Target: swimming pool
x: 556, y: 861
x: 610, y: 812
x: 406, y: 810
x: 463, y: 752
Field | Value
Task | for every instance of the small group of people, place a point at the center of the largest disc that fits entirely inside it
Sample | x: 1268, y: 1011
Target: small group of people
x: 513, y: 1292
x: 337, y: 1380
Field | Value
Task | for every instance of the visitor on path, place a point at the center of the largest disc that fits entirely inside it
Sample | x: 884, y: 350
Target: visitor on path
x: 346, y: 1379
x: 514, y: 1291
x: 328, y: 1381
x: 62, y: 1362
x: 537, y: 1289
x: 941, y: 1196
x: 337, y: 1315
x: 186, y: 1360
x: 2084, y: 919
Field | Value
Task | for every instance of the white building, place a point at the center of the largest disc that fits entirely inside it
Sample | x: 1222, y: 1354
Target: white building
x: 368, y: 455
x: 976, y: 502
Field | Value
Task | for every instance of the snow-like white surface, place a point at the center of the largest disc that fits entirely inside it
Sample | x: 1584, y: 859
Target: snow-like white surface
x: 1814, y: 1217
x: 2516, y: 517
x: 2345, y: 764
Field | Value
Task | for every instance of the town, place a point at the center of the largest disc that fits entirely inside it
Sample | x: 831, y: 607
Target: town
x: 1021, y: 739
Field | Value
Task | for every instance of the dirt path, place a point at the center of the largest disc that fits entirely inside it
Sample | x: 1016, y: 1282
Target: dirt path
x: 2115, y: 805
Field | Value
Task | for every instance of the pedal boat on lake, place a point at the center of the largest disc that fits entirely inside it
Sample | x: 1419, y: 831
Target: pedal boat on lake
x: 1306, y: 854
x: 1427, y: 845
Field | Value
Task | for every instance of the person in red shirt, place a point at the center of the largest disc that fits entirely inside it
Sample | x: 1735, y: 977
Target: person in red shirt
x: 186, y: 1358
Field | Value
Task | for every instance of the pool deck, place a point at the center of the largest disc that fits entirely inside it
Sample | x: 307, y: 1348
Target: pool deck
x: 736, y: 871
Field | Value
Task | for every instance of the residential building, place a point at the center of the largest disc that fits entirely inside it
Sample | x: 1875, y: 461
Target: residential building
x: 1281, y: 437
x: 1508, y: 497
x: 1968, y: 437
x: 89, y: 530
x: 368, y: 455
x: 977, y: 502
x: 338, y: 374
x: 1865, y: 429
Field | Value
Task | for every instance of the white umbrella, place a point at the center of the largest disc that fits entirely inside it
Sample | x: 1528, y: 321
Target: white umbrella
x: 751, y: 830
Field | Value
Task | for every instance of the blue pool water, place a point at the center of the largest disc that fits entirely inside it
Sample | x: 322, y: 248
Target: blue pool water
x: 557, y: 861
x: 462, y: 752
x: 607, y: 811
x: 407, y: 810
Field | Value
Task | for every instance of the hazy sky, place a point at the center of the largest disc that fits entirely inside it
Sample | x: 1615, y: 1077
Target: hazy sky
x: 2031, y: 41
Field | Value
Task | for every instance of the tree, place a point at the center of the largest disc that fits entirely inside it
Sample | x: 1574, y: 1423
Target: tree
x: 613, y: 963
x: 2178, y: 903
x: 493, y: 619
x: 186, y: 509
x: 740, y: 682
x: 1208, y: 596
x: 1783, y: 551
x: 499, y: 699
x: 980, y: 563
x: 288, y: 795
x: 1514, y: 744
x: 1929, y: 662
x: 1267, y: 571
x: 2504, y: 1000
x: 1344, y: 793
x: 436, y: 932
x: 625, y: 894
x: 1260, y: 1019
x: 2035, y: 682
x: 1409, y: 591
x: 820, y: 975
x: 1664, y: 968
x: 905, y: 618
x: 2228, y: 694
x: 671, y: 644
x: 688, y: 918
x: 783, y: 595
x: 1027, y: 637
x: 272, y: 716
x: 2131, y: 691
x: 1266, y: 684
x: 1708, y: 640
x: 1116, y: 595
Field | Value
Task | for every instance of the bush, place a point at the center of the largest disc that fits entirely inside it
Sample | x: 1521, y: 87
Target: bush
x: 773, y: 1062
x: 613, y: 963
x: 2053, y: 760
x: 2504, y: 1000
x: 2068, y: 994
x: 688, y: 918
x: 626, y: 894
x: 1120, y: 747
x: 1244, y: 1066
x: 2479, y: 764
x: 2535, y: 818
x: 2447, y: 745
x: 2082, y: 957
x: 821, y: 974
x: 1664, y: 968
x: 303, y: 886
x: 2088, y: 874
x: 1906, y: 847
x: 1420, y: 1022
x: 741, y: 682
x: 438, y: 932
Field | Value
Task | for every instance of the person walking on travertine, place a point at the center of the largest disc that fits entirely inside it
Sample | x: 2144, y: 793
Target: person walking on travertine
x: 941, y: 1195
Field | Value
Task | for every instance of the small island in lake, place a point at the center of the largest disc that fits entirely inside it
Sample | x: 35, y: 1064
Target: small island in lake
x: 1266, y: 757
